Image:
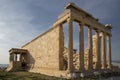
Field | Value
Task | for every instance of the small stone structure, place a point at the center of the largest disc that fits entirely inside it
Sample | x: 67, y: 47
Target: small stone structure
x: 47, y: 54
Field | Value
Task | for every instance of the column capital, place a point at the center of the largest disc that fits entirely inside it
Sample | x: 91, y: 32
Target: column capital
x: 69, y: 19
x: 110, y: 35
x: 90, y: 26
x: 97, y: 31
x: 81, y: 23
x: 81, y: 26
x: 103, y: 33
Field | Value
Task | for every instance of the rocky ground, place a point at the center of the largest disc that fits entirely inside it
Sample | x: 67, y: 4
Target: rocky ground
x: 22, y: 75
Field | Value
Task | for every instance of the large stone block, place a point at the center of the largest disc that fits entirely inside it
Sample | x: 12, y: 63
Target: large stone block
x: 44, y: 50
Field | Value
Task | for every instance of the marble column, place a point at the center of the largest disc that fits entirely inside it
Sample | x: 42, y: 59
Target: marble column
x: 21, y: 57
x: 81, y: 46
x: 15, y: 57
x: 109, y: 52
x: 11, y: 57
x: 62, y: 65
x: 70, y: 44
x: 90, y: 46
x: 103, y: 50
x: 98, y: 65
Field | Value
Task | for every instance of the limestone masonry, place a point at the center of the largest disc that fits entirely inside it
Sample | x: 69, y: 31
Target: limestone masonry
x: 48, y: 55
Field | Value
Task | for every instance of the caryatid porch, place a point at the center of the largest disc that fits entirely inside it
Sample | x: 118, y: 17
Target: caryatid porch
x: 17, y: 57
x: 103, y: 36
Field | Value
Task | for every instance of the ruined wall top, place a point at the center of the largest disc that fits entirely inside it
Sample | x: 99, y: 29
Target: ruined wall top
x: 79, y: 15
x: 72, y: 5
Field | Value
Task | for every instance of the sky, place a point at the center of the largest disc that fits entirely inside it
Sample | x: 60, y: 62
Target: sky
x: 23, y: 20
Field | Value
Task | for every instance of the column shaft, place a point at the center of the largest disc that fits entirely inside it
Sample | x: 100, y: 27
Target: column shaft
x: 103, y: 50
x: 62, y: 65
x: 81, y: 46
x: 21, y: 57
x: 109, y: 52
x: 11, y: 57
x: 90, y: 46
x: 70, y: 45
x: 98, y: 66
x: 15, y: 57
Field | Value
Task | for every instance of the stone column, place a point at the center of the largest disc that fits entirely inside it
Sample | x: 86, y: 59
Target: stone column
x: 15, y: 57
x: 70, y: 45
x: 109, y: 52
x: 62, y: 65
x: 90, y: 54
x: 81, y: 46
x: 98, y: 66
x: 11, y: 58
x: 21, y: 56
x: 103, y: 50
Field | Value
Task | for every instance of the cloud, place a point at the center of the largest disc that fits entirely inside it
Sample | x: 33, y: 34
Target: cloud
x: 23, y: 20
x: 16, y: 28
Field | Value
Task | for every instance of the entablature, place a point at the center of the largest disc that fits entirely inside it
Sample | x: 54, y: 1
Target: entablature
x: 81, y: 16
x: 17, y: 50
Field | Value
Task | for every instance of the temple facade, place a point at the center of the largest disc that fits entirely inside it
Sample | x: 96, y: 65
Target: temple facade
x: 47, y: 54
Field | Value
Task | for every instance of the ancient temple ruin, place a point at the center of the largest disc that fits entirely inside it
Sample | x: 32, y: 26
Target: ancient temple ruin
x: 47, y: 54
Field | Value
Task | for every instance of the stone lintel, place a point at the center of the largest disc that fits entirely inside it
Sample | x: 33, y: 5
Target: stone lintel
x: 72, y: 5
x: 108, y: 26
x: 16, y: 50
x: 76, y: 12
x: 78, y: 17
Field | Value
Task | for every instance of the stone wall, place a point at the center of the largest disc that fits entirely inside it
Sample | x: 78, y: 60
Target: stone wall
x: 94, y: 54
x: 44, y: 50
x: 76, y: 56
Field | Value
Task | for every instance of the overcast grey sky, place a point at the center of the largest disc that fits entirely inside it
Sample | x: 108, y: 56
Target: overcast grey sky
x: 23, y: 20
